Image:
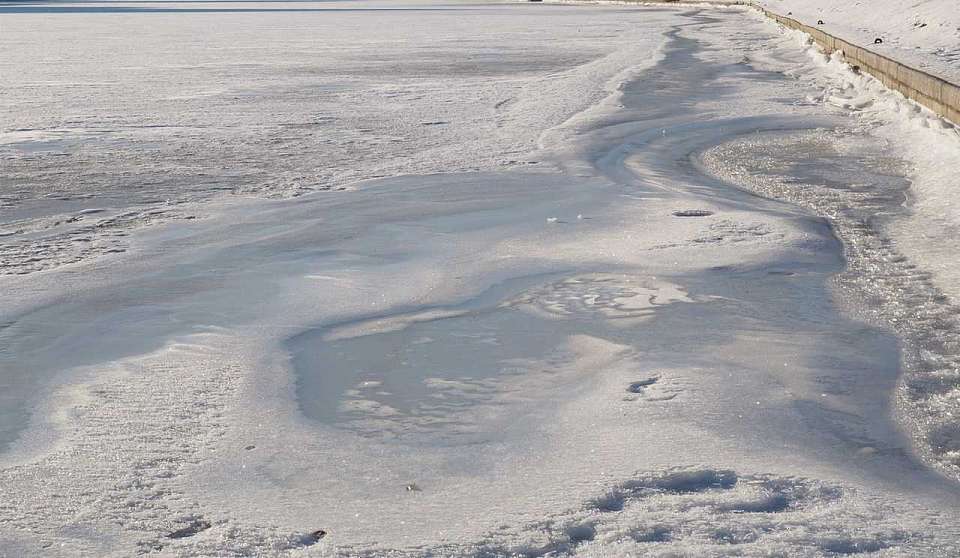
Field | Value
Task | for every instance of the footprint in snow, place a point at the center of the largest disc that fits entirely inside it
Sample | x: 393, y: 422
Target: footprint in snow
x: 640, y: 386
x: 650, y: 391
x: 196, y: 526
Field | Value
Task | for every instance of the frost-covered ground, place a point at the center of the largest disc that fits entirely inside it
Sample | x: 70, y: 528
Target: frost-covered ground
x: 547, y: 315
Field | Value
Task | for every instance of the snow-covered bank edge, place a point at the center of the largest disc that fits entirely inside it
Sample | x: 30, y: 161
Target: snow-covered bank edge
x: 928, y: 394
x: 924, y: 35
x: 933, y: 92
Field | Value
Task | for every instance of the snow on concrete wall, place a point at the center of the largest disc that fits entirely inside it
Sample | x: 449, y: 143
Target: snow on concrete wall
x: 937, y: 94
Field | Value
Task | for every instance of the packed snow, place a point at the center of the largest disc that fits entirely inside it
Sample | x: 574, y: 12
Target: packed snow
x: 457, y: 279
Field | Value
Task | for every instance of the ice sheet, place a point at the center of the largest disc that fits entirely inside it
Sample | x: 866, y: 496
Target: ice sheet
x: 676, y: 375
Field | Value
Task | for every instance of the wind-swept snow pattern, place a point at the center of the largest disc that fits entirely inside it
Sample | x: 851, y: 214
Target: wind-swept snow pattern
x: 619, y: 350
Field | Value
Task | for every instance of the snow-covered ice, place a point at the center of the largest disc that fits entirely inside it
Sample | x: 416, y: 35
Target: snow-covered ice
x: 455, y: 279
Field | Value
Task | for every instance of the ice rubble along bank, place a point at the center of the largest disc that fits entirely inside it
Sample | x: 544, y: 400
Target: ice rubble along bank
x: 922, y: 240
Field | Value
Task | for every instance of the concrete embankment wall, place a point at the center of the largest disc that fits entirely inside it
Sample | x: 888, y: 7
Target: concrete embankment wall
x: 937, y: 94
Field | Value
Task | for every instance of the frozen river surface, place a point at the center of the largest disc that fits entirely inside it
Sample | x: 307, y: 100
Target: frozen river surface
x: 451, y: 279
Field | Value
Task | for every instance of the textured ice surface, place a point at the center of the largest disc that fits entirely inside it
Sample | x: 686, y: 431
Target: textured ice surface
x: 453, y: 374
x: 138, y: 110
x: 609, y: 353
x: 896, y: 234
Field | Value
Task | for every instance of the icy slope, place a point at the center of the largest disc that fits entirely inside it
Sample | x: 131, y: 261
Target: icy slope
x: 923, y: 33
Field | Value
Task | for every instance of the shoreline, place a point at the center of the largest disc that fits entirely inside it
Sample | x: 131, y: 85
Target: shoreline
x: 935, y: 93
